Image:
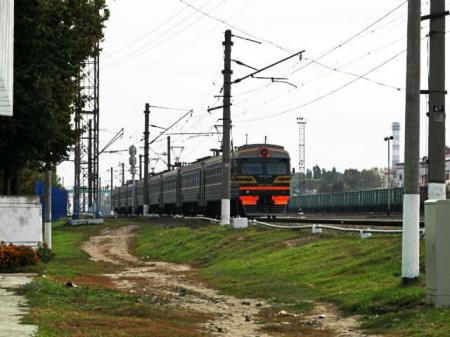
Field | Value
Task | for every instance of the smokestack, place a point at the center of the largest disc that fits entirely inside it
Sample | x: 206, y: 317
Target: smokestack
x: 395, y: 144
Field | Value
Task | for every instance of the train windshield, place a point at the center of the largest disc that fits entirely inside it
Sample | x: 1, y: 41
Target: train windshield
x: 264, y: 167
x: 252, y: 168
x: 280, y: 168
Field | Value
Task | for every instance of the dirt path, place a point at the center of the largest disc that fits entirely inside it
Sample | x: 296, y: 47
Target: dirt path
x: 171, y: 283
x: 12, y: 307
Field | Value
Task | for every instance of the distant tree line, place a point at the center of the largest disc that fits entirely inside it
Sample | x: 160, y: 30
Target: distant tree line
x: 52, y: 40
x: 320, y: 180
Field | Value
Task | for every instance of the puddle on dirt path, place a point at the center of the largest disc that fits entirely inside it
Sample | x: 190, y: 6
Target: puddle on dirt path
x: 234, y: 317
x: 12, y: 307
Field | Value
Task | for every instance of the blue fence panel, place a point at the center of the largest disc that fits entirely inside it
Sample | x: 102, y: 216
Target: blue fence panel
x: 59, y: 201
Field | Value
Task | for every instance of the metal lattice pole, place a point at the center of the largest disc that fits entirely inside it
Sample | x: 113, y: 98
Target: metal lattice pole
x: 301, y: 153
x: 86, y: 184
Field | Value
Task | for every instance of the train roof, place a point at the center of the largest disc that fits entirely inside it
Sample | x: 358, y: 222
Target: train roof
x: 261, y: 151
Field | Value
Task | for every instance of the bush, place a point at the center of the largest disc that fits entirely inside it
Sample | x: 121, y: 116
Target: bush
x: 45, y: 254
x: 12, y: 256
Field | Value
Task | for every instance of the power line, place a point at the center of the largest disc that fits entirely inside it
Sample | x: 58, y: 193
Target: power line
x: 150, y: 45
x: 234, y: 27
x: 333, y: 69
x: 329, y: 93
x: 354, y: 36
x: 356, y: 75
x: 165, y: 57
x: 142, y: 37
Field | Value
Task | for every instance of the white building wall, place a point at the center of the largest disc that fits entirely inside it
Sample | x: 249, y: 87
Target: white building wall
x: 6, y: 56
x: 20, y: 220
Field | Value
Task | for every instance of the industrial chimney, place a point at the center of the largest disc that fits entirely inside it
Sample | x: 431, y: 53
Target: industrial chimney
x: 395, y: 144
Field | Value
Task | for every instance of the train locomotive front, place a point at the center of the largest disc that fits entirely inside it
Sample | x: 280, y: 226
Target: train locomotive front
x: 262, y: 173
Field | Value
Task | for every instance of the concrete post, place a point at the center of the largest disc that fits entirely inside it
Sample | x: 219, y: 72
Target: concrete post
x: 48, y: 209
x: 411, y: 198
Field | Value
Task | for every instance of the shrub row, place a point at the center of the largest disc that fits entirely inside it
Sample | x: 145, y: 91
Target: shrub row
x: 12, y: 256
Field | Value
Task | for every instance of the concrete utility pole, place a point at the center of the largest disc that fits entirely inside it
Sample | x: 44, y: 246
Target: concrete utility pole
x: 48, y: 209
x: 436, y: 87
x: 411, y: 198
x: 146, y: 158
x: 140, y: 167
x: 111, y: 191
x: 123, y: 174
x: 226, y: 147
x: 169, y: 165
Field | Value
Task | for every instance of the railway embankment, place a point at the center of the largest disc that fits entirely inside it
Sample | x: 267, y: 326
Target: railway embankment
x: 154, y: 278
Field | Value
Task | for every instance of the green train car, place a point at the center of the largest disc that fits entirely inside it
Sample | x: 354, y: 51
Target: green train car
x: 359, y: 201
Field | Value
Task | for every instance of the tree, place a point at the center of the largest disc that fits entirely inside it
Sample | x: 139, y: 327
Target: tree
x: 52, y: 40
x: 352, y: 178
x: 317, y: 172
x: 371, y: 178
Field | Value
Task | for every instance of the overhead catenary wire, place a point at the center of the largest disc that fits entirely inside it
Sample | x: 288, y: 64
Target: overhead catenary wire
x: 142, y: 37
x: 167, y: 56
x: 151, y: 45
x: 235, y: 27
x: 328, y: 93
x: 352, y: 37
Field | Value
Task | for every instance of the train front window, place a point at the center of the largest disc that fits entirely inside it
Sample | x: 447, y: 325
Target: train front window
x: 277, y: 169
x: 252, y: 169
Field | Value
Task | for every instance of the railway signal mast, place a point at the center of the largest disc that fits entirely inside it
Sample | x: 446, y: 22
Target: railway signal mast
x: 301, y: 121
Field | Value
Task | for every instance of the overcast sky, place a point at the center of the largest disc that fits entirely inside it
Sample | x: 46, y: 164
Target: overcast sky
x: 167, y: 54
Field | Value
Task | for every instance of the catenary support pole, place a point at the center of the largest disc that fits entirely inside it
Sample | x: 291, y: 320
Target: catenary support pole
x: 90, y: 168
x: 48, y: 209
x: 389, y: 177
x: 411, y: 199
x: 146, y: 158
x: 169, y: 165
x: 436, y: 87
x: 140, y: 167
x: 111, y: 190
x: 123, y: 174
x: 226, y: 184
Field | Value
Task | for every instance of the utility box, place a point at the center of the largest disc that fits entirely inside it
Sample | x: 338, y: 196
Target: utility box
x: 437, y: 259
x: 238, y: 223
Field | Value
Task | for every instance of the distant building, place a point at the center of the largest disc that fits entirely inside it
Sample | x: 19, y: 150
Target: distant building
x: 399, y: 172
x: 6, y: 56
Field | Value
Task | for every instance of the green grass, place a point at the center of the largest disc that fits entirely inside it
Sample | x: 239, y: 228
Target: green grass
x: 92, y: 308
x: 361, y: 276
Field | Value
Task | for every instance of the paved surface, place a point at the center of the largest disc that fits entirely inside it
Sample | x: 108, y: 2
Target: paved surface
x: 13, y: 307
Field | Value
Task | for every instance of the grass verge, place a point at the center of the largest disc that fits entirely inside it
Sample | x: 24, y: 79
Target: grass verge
x: 94, y: 308
x: 291, y: 269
